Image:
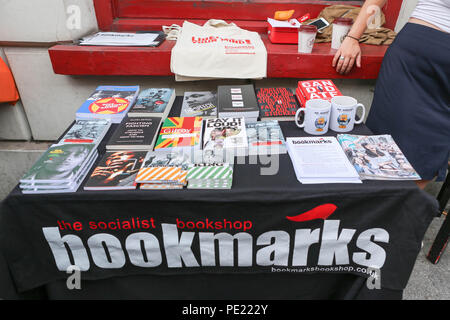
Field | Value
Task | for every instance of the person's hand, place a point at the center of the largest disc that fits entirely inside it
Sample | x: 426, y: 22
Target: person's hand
x: 347, y: 55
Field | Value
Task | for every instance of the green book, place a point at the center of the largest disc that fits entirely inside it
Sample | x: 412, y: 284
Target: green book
x: 61, y: 163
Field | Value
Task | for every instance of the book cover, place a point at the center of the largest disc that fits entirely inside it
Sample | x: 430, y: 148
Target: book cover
x: 237, y: 99
x: 265, y: 137
x: 60, y: 163
x: 180, y: 132
x: 116, y: 170
x: 210, y: 176
x: 276, y: 103
x: 108, y: 101
x: 317, y: 89
x: 135, y: 133
x: 153, y: 102
x: 164, y: 166
x: 70, y: 187
x: 199, y: 104
x: 87, y: 131
x: 377, y: 157
x: 225, y: 133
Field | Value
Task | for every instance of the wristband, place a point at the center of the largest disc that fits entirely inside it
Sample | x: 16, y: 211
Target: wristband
x: 352, y: 37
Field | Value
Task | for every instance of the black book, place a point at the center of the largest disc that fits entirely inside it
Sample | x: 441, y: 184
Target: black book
x: 135, y: 133
x: 237, y: 101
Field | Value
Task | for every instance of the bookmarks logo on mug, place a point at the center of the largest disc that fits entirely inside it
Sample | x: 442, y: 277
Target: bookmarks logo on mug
x: 316, y: 118
x: 343, y: 113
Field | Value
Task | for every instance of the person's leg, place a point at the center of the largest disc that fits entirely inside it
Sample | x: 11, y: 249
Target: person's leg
x: 411, y: 99
x: 422, y: 183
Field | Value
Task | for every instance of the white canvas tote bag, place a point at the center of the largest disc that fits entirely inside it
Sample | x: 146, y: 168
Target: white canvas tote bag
x: 218, y: 50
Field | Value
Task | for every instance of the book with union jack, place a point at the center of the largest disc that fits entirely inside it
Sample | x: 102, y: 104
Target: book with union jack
x: 178, y: 133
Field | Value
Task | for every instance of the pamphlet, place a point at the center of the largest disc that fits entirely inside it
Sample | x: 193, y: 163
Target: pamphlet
x: 320, y: 160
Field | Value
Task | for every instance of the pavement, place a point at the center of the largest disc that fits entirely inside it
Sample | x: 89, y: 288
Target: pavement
x: 430, y: 281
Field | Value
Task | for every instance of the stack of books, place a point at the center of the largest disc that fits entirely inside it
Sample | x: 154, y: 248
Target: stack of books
x: 62, y: 168
x: 211, y: 169
x: 164, y: 170
x: 316, y: 89
x: 108, y: 102
x: 237, y: 101
x: 210, y: 176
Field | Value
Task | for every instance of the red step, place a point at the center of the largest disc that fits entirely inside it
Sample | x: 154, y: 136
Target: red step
x: 283, y: 61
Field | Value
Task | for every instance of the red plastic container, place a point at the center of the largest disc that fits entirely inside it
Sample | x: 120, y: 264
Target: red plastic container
x: 283, y: 34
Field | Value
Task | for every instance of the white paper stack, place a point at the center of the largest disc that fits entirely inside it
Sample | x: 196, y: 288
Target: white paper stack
x: 320, y: 160
x: 120, y: 39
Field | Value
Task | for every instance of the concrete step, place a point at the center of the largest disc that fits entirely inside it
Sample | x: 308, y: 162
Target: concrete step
x: 15, y: 159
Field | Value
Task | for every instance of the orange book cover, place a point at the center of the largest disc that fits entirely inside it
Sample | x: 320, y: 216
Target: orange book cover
x: 180, y: 132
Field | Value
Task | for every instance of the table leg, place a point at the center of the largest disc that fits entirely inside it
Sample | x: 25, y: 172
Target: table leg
x: 439, y: 244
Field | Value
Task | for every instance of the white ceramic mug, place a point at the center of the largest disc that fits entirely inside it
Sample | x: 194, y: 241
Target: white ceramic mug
x: 317, y: 116
x: 343, y: 113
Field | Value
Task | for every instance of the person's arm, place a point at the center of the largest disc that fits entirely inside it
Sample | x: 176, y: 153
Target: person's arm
x: 350, y: 50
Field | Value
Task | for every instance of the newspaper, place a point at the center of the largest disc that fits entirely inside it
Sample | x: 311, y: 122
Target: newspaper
x: 377, y: 157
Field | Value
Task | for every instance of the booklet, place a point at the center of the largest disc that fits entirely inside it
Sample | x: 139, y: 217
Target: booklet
x: 320, y: 160
x: 150, y: 38
x: 377, y: 157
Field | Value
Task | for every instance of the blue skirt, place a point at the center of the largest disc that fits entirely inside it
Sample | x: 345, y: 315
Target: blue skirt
x: 412, y: 98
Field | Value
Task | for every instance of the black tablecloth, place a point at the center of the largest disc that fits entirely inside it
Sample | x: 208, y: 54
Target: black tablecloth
x: 169, y: 251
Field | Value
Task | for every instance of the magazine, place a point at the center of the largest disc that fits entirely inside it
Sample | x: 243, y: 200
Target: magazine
x: 377, y: 157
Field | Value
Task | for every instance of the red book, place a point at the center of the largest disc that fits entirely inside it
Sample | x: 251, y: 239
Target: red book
x: 276, y: 104
x: 316, y: 89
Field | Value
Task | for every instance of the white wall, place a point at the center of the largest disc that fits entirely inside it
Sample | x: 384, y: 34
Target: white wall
x: 43, y: 21
x: 51, y: 100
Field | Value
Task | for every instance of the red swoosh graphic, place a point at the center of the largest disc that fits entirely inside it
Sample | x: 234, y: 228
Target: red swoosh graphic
x: 320, y: 212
